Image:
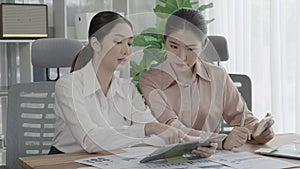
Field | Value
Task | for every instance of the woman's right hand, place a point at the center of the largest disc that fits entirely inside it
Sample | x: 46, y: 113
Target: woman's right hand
x: 205, y: 152
x: 168, y: 133
x: 236, y: 138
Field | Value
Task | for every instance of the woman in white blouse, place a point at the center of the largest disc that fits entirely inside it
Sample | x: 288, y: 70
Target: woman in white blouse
x: 97, y: 111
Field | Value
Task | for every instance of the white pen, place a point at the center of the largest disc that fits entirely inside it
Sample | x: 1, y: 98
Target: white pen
x: 243, y: 115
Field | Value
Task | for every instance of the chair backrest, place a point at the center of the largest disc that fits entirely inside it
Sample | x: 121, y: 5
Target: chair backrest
x: 30, y: 121
x: 244, y: 85
x: 218, y: 47
x: 52, y: 53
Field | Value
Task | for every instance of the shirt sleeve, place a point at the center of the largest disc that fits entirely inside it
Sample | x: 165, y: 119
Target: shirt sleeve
x: 234, y: 105
x: 156, y: 100
x: 93, y: 137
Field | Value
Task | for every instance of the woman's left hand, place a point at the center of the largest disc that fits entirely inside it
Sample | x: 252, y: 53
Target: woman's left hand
x: 267, y: 134
x: 205, y: 152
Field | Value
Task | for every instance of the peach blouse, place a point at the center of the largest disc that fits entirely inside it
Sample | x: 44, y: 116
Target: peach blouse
x: 200, y: 104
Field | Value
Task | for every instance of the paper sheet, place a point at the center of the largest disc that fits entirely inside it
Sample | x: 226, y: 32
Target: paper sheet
x: 245, y: 160
x: 131, y: 161
x: 116, y: 162
x: 221, y: 160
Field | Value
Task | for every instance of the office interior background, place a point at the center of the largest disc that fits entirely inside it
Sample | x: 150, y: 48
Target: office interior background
x: 263, y: 38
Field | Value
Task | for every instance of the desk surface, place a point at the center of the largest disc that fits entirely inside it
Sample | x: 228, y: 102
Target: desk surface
x: 66, y: 161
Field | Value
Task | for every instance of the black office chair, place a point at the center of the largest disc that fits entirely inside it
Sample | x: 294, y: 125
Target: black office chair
x: 217, y: 51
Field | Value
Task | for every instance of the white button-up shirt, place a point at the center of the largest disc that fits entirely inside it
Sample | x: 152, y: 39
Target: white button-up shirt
x: 87, y: 120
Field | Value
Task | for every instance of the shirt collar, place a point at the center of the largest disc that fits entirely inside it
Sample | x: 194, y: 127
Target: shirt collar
x: 116, y: 87
x: 200, y: 69
x: 91, y: 84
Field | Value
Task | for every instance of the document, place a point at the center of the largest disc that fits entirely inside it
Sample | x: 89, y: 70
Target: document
x: 221, y: 160
x: 117, y: 162
x: 245, y: 160
x: 132, y: 156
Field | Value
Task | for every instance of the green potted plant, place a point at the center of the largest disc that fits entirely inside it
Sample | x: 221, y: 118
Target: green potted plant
x: 151, y: 38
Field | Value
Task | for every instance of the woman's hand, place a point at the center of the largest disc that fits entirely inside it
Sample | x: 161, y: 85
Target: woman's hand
x: 168, y: 133
x: 267, y: 134
x: 205, y: 152
x: 236, y: 138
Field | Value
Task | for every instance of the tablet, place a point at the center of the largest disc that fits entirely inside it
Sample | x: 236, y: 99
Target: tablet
x: 289, y: 150
x: 173, y: 150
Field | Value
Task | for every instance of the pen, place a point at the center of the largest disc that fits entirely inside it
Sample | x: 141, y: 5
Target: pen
x: 243, y: 115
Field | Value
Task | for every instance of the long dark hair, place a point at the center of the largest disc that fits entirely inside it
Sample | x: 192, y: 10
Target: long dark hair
x: 101, y: 25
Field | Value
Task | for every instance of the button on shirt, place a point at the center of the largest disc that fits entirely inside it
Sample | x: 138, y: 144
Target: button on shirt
x: 87, y: 120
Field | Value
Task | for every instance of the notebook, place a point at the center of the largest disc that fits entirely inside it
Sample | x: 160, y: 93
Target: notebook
x: 290, y: 150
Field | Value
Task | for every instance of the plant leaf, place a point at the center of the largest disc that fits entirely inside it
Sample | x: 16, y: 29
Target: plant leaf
x: 146, y: 62
x: 170, y: 6
x: 177, y: 4
x: 161, y: 11
x: 209, y: 21
x: 138, y: 87
x: 204, y: 7
x: 163, y: 1
x: 134, y: 68
x: 153, y: 33
x: 139, y: 40
x: 156, y: 55
x: 149, y: 31
x: 161, y: 26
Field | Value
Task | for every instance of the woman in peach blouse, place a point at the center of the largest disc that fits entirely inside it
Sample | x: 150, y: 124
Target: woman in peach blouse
x: 193, y: 95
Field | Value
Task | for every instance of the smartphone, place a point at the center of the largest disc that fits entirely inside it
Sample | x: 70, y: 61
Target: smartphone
x: 262, y: 126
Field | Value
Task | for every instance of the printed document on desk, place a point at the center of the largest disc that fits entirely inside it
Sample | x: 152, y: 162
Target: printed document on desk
x: 221, y: 160
x: 246, y: 160
x: 132, y: 156
x: 118, y: 162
